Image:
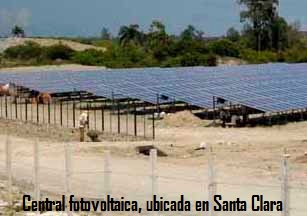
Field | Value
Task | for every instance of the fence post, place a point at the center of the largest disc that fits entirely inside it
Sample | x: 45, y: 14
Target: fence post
x: 135, y: 120
x: 118, y: 117
x: 153, y: 126
x: 211, y: 178
x: 88, y: 115
x: 67, y: 114
x: 6, y: 112
x: 54, y: 112
x: 61, y: 112
x: 26, y: 109
x: 153, y: 161
x: 1, y: 106
x: 36, y: 173
x: 16, y: 108
x: 9, y: 169
x: 102, y: 118
x: 67, y: 173
x: 74, y: 113
x: 107, y: 173
x: 31, y: 111
x: 43, y: 112
x: 49, y: 119
x: 285, y: 186
x: 37, y: 112
x: 144, y: 112
x: 95, y: 116
x: 127, y: 116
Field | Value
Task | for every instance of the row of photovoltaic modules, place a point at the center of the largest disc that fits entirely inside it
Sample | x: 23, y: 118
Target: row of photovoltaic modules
x: 269, y: 88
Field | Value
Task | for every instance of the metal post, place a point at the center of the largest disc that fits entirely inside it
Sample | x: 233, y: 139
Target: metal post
x: 111, y: 113
x: 1, y: 106
x: 135, y: 120
x: 43, y: 112
x: 158, y: 103
x: 36, y: 173
x: 144, y: 112
x: 26, y: 110
x: 49, y: 119
x: 285, y: 184
x: 6, y: 112
x: 127, y: 117
x: 74, y: 113
x: 61, y: 113
x: 214, y: 117
x: 9, y: 169
x: 118, y: 118
x: 211, y: 185
x: 20, y: 102
x: 107, y: 173
x: 37, y: 112
x: 16, y: 109
x: 102, y: 118
x: 67, y: 114
x: 67, y: 172
x: 88, y: 116
x: 154, y: 176
x: 95, y: 115
x: 11, y: 108
x: 153, y: 125
x: 54, y: 113
x: 31, y: 111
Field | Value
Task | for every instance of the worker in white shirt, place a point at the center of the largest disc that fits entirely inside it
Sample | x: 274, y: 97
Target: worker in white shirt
x: 83, y: 122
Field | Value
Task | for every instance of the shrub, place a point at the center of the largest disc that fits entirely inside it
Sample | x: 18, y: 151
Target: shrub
x: 224, y: 47
x: 256, y: 57
x: 295, y: 55
x: 88, y: 57
x: 191, y: 59
x: 172, y: 62
x: 27, y: 51
x: 58, y: 51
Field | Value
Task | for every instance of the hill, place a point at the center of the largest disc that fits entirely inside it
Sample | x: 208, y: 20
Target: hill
x: 10, y: 42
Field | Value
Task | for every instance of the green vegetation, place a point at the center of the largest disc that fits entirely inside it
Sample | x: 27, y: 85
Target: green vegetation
x: 18, y: 31
x: 266, y: 37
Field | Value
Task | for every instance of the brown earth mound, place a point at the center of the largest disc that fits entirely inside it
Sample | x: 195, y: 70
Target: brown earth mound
x: 301, y: 159
x: 182, y: 119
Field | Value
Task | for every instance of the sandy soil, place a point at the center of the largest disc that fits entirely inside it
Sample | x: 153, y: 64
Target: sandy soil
x: 9, y: 42
x: 247, y: 162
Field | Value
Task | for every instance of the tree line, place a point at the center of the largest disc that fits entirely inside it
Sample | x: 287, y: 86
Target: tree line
x: 265, y: 37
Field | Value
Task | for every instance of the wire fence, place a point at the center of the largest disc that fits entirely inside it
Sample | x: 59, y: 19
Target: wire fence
x: 140, y: 179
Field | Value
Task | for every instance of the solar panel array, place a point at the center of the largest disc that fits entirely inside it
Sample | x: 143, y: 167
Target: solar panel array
x: 269, y: 87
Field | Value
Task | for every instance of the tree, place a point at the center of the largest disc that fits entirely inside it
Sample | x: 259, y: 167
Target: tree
x: 233, y: 34
x: 259, y: 17
x: 106, y: 34
x: 18, y: 31
x: 157, y: 35
x: 131, y: 33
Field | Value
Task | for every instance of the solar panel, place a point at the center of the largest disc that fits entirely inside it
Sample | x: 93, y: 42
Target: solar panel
x: 268, y: 88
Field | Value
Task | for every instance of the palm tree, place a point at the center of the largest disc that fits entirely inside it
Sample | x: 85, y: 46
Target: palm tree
x: 129, y: 34
x: 18, y: 31
x: 157, y: 34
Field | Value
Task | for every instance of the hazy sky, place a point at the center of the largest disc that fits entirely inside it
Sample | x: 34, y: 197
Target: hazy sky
x: 87, y: 17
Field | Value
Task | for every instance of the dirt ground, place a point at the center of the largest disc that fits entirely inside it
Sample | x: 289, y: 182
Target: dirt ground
x: 247, y: 160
